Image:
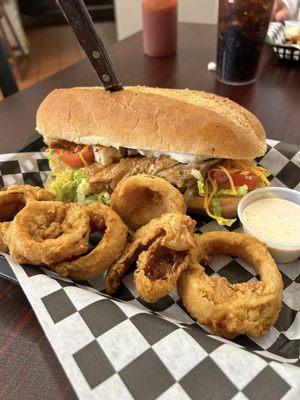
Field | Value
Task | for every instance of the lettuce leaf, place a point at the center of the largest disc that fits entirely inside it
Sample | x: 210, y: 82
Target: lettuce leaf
x: 240, y: 191
x: 217, y: 212
x: 62, y: 186
x: 57, y: 166
x: 200, y: 181
x: 71, y: 185
x: 93, y: 198
x: 78, y: 176
x: 82, y: 191
x: 201, y: 186
x: 226, y: 221
x: 196, y: 174
x: 216, y: 206
x: 81, y: 186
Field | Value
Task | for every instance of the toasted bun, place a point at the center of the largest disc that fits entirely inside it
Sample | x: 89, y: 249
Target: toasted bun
x: 228, y: 206
x: 168, y: 120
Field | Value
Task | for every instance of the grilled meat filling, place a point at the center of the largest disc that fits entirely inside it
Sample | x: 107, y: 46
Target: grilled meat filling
x: 106, y: 178
x: 112, y: 165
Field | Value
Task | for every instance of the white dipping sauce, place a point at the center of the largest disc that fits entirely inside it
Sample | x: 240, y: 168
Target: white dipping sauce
x: 275, y: 219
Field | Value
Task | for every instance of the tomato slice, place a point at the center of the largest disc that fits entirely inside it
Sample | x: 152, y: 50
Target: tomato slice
x: 251, y: 180
x: 75, y: 158
x: 239, y: 179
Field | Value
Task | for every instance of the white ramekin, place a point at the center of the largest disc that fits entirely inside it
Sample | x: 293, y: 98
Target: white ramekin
x: 281, y: 252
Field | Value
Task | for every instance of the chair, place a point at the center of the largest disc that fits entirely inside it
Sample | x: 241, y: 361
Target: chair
x: 16, y: 53
x: 8, y: 83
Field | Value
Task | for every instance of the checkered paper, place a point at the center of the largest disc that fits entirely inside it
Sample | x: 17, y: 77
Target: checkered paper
x: 123, y: 348
x: 276, y: 33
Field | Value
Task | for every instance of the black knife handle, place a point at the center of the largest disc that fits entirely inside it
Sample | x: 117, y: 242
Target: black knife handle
x: 81, y: 22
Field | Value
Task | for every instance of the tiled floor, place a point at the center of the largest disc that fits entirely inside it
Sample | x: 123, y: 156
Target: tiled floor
x: 54, y: 48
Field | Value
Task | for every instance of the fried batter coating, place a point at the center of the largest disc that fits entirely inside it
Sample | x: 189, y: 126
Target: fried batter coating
x: 29, y: 192
x: 158, y: 270
x: 102, y: 218
x: 141, y: 198
x: 232, y: 309
x: 3, y: 228
x: 46, y: 232
x: 170, y: 237
x: 13, y: 199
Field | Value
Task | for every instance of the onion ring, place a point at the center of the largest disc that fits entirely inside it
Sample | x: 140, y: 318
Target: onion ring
x: 158, y: 270
x: 232, y: 309
x: 45, y: 232
x: 141, y: 198
x: 29, y: 192
x: 170, y: 235
x: 13, y: 199
x: 105, y: 253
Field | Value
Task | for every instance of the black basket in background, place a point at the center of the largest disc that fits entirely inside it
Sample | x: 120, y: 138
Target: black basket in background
x: 286, y: 52
x: 276, y: 39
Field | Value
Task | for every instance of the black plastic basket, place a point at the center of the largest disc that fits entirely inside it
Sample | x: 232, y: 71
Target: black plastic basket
x: 276, y: 39
x: 286, y: 52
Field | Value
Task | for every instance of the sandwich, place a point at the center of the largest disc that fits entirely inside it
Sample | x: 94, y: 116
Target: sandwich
x: 203, y: 144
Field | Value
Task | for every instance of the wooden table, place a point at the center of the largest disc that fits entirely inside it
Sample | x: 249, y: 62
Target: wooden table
x: 28, y: 367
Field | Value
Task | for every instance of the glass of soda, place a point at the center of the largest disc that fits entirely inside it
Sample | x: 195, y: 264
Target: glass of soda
x: 242, y: 29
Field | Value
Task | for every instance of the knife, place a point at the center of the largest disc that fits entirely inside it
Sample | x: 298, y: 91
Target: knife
x: 81, y: 22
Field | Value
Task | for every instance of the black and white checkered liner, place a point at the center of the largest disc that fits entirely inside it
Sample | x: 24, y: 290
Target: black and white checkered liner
x: 123, y: 348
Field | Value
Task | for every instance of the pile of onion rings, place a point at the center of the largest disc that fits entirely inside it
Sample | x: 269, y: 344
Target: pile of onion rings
x: 141, y: 198
x: 57, y: 234
x: 164, y: 251
x: 160, y: 250
x: 35, y: 229
x: 232, y: 309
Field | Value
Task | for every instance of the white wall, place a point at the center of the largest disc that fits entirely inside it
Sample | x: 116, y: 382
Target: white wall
x: 129, y: 19
x: 198, y: 11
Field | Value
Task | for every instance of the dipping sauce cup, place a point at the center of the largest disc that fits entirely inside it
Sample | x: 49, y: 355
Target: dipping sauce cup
x: 282, y: 252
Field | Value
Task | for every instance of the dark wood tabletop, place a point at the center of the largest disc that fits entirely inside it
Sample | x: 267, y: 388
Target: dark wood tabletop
x: 28, y: 367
